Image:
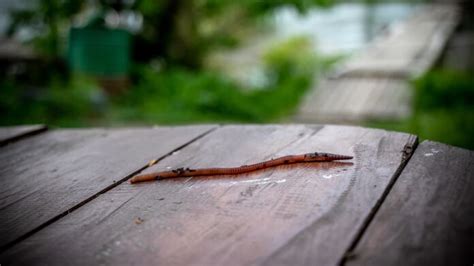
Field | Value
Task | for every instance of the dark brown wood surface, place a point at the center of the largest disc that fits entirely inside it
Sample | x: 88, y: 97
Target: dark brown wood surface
x: 428, y: 216
x: 45, y: 176
x: 306, y: 214
x: 13, y: 133
x: 380, y: 158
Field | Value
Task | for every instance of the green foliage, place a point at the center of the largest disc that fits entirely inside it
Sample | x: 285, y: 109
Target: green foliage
x: 443, y: 109
x: 296, y: 57
x: 291, y: 58
x: 182, y: 32
x: 46, y: 18
x: 179, y: 31
x: 262, y: 6
x: 178, y: 95
x: 169, y: 96
x: 444, y: 90
x: 184, y: 96
x: 69, y: 103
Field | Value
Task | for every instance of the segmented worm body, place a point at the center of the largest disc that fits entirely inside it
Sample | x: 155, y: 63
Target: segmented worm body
x: 290, y: 159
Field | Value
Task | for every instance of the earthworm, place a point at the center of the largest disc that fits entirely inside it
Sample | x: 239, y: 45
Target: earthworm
x: 289, y: 159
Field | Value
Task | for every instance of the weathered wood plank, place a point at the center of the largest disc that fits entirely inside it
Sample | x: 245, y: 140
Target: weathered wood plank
x: 315, y: 244
x: 41, y: 178
x: 13, y: 133
x: 348, y: 100
x: 273, y: 216
x: 409, y: 48
x: 373, y: 84
x: 428, y: 216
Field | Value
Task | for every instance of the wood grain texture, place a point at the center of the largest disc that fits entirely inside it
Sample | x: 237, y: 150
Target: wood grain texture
x: 45, y: 176
x: 428, y: 216
x: 14, y: 133
x: 375, y: 83
x: 325, y: 240
x: 409, y: 48
x: 347, y: 100
x: 274, y: 216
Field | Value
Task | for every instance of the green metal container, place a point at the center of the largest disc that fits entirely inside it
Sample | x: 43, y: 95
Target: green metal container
x: 99, y: 51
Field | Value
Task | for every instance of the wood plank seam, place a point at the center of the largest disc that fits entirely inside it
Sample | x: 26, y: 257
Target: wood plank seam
x: 180, y: 221
x: 108, y: 188
x: 428, y: 216
x: 407, y: 151
x: 23, y: 136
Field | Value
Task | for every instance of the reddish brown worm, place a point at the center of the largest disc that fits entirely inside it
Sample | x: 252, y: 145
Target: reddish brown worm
x: 289, y: 159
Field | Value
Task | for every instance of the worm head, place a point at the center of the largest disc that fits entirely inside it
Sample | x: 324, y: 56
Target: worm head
x: 324, y: 157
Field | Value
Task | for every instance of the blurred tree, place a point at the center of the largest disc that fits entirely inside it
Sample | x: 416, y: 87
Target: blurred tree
x: 182, y: 31
x: 178, y: 31
x: 45, y: 19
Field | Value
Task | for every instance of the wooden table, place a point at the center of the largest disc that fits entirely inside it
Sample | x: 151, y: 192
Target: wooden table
x: 65, y: 198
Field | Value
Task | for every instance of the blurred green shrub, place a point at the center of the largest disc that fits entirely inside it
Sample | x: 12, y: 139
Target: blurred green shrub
x: 169, y: 95
x: 179, y: 95
x: 183, y: 32
x: 65, y: 103
x: 297, y: 57
x: 46, y: 19
x: 444, y: 89
x: 443, y: 109
x: 178, y: 31
x: 292, y: 57
x: 183, y: 96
